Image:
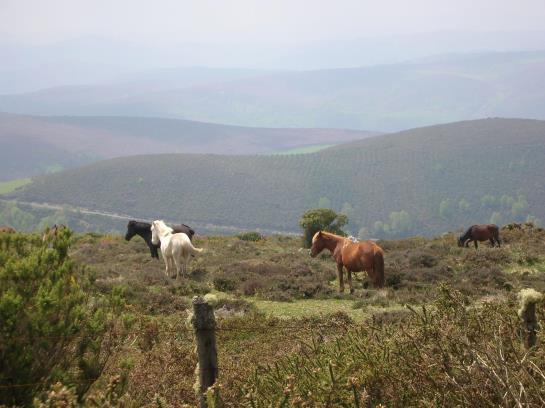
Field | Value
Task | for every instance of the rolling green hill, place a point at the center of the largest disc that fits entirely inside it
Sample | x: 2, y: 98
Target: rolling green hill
x: 421, y: 181
x: 32, y: 145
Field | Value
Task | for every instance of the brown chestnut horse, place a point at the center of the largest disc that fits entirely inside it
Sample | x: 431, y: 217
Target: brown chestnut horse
x: 354, y: 256
x: 5, y: 229
x: 481, y: 232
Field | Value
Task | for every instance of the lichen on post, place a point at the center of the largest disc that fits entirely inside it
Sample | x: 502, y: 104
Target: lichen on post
x: 528, y: 299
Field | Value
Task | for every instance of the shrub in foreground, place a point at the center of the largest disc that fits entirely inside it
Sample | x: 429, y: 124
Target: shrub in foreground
x: 48, y: 330
x: 453, y: 356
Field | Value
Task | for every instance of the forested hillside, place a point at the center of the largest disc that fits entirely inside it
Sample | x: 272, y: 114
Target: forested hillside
x: 422, y: 181
x: 32, y: 145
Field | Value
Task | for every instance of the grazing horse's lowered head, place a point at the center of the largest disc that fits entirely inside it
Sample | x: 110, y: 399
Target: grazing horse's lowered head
x: 131, y: 230
x: 464, y: 237
x: 480, y: 232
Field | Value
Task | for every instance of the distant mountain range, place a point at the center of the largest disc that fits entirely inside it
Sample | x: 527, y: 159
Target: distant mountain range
x: 385, y: 97
x: 33, y: 145
x: 417, y: 182
x: 100, y: 60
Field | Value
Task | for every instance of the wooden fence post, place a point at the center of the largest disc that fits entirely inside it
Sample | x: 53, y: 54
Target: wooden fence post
x: 529, y: 298
x: 204, y: 324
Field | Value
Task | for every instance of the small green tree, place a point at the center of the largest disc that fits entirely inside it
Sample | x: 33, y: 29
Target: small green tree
x: 463, y: 205
x: 400, y: 223
x: 447, y: 208
x: 321, y: 219
x: 48, y: 333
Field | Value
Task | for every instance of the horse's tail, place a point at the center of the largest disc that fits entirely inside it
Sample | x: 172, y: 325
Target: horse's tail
x: 378, y: 266
x: 193, y: 250
x: 496, y: 234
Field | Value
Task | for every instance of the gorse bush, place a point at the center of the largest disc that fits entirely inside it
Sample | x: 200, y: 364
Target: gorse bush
x: 48, y: 330
x: 454, y: 356
x: 250, y: 236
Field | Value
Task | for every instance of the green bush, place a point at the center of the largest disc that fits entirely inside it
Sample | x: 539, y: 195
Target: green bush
x: 321, y: 219
x: 49, y: 330
x: 253, y: 236
x: 454, y: 356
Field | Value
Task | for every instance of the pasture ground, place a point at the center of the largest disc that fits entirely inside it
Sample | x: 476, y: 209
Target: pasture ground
x: 274, y: 303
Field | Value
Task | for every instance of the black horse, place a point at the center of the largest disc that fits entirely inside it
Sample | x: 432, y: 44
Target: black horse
x: 144, y: 230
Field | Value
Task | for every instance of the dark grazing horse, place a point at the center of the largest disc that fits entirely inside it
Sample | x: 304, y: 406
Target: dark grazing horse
x: 143, y: 229
x: 481, y: 232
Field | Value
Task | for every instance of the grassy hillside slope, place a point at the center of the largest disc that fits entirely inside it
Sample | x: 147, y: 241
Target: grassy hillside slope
x: 33, y: 145
x: 421, y: 181
x: 386, y: 97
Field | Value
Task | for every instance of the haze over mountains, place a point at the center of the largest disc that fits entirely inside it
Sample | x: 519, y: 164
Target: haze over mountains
x: 384, y: 98
x: 417, y: 182
x: 97, y: 59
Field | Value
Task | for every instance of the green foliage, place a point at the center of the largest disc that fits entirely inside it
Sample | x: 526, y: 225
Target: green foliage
x: 489, y: 201
x: 519, y: 209
x: 9, y: 186
x: 250, y: 236
x: 447, y: 208
x: 463, y: 205
x: 376, y: 176
x: 321, y: 219
x: 44, y: 313
x: 400, y: 223
x: 12, y: 215
x: 446, y: 355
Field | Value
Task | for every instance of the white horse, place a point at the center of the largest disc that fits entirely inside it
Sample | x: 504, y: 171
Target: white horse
x: 176, y: 248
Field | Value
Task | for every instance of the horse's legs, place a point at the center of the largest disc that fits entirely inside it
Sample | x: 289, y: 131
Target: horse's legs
x: 467, y: 243
x: 497, y: 239
x: 171, y: 265
x: 349, y: 273
x: 491, y: 242
x: 476, y: 245
x: 340, y: 276
x: 178, y: 266
x: 167, y: 261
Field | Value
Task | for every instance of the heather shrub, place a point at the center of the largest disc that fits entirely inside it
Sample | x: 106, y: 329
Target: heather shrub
x: 445, y: 355
x: 253, y: 236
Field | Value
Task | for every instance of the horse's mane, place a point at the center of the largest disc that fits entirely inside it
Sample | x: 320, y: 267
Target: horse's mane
x: 467, y: 233
x: 327, y: 234
x: 163, y: 225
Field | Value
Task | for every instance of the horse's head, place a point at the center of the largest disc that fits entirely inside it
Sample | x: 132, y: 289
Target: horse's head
x: 461, y: 241
x: 131, y: 230
x: 318, y: 244
x: 155, y: 232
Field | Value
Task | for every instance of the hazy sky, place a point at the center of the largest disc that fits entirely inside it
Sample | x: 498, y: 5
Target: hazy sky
x: 271, y: 21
